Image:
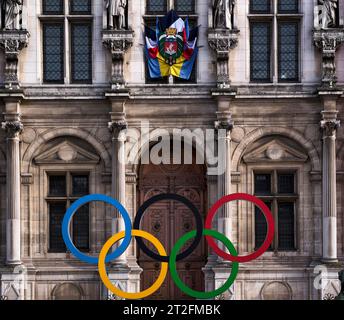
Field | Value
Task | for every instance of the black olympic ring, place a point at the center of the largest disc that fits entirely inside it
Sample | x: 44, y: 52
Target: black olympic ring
x: 176, y: 197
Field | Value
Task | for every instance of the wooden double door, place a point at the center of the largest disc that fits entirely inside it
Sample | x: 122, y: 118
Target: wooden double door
x: 169, y: 220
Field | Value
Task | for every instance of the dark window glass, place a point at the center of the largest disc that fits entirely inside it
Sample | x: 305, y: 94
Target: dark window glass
x: 260, y: 51
x: 261, y: 226
x: 288, y: 51
x: 57, y: 186
x: 80, y: 6
x: 81, y: 36
x: 286, y: 183
x: 286, y: 226
x: 80, y: 185
x: 156, y: 6
x: 262, y: 184
x: 184, y: 6
x: 53, y: 7
x: 288, y: 6
x: 260, y: 6
x: 81, y: 228
x: 53, y: 52
x: 57, y: 212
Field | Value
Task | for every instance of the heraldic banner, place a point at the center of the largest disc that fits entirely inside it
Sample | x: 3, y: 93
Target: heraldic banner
x: 171, y: 49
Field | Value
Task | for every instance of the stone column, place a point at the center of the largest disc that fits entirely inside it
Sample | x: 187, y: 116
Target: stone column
x: 329, y: 197
x: 117, y: 128
x: 13, y: 127
x: 224, y: 125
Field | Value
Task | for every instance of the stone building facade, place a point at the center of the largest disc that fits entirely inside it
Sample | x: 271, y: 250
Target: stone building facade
x: 272, y: 77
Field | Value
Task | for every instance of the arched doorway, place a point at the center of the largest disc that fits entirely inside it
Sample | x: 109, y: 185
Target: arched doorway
x: 169, y: 220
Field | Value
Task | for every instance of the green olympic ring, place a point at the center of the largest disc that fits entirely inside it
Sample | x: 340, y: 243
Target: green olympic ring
x: 182, y: 286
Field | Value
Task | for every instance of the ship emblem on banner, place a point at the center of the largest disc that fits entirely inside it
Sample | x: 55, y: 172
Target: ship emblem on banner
x: 171, y: 49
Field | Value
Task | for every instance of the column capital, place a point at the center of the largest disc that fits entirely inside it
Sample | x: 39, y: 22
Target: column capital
x: 329, y: 127
x: 116, y: 127
x: 224, y: 121
x: 13, y: 128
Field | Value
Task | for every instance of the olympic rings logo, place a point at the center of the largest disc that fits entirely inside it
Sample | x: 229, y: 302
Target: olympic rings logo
x: 167, y: 262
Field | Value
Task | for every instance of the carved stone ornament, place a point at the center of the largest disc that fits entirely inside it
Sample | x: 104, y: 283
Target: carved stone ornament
x: 329, y: 127
x: 118, y: 126
x: 12, y: 42
x: 328, y: 42
x: 221, y: 42
x: 12, y: 128
x: 118, y: 42
x: 224, y: 122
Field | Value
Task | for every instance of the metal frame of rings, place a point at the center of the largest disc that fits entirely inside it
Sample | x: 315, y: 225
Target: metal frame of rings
x: 167, y: 262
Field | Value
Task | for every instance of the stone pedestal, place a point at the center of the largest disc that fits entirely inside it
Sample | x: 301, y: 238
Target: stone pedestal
x: 118, y: 42
x: 328, y: 41
x: 12, y: 42
x: 222, y: 41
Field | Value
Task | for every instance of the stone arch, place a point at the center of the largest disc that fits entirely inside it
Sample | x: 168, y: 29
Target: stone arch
x: 67, y: 291
x: 276, y: 290
x: 154, y: 134
x: 55, y: 133
x: 287, y: 132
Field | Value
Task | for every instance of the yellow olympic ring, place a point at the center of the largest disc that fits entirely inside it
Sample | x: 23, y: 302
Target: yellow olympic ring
x: 102, y: 267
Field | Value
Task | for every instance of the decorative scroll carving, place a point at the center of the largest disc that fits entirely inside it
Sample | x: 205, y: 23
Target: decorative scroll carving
x: 118, y: 42
x: 328, y: 42
x: 12, y: 128
x: 222, y: 41
x: 12, y: 42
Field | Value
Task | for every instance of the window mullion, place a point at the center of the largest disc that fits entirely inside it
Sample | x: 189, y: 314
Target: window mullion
x: 275, y: 43
x: 67, y: 42
x: 275, y: 215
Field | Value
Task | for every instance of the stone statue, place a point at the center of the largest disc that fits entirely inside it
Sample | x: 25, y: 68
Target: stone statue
x: 2, y: 13
x: 329, y: 13
x: 341, y: 278
x: 217, y: 14
x: 12, y: 16
x: 116, y: 13
x: 223, y: 13
x: 229, y: 8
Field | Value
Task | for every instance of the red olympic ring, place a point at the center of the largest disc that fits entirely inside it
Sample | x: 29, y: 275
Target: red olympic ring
x: 268, y: 216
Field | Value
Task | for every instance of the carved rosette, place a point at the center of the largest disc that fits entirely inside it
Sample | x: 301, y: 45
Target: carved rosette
x: 328, y: 41
x: 12, y: 42
x: 13, y: 128
x: 118, y: 42
x: 329, y: 127
x: 221, y: 41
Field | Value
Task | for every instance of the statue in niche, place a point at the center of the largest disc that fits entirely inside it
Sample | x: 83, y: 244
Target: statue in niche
x: 328, y: 14
x: 116, y: 14
x: 10, y: 14
x: 223, y: 11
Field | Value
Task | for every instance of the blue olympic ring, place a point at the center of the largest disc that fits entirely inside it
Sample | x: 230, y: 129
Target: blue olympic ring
x: 68, y: 217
